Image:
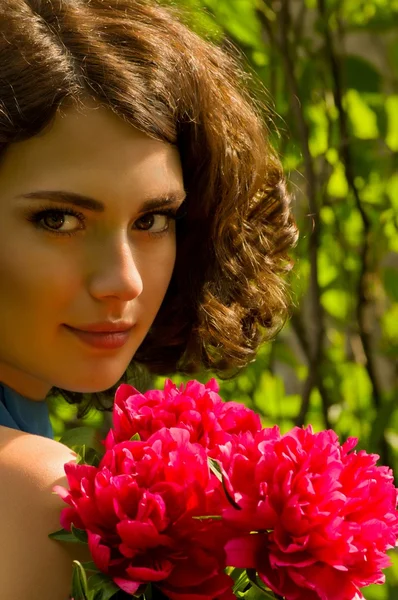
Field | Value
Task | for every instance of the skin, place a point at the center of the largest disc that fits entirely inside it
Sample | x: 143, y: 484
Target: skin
x: 32, y: 565
x: 115, y: 265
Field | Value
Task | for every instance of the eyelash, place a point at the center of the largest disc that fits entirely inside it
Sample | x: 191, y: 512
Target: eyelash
x: 37, y: 217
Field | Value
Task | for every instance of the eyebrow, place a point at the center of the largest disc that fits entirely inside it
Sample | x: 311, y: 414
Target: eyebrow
x: 88, y: 203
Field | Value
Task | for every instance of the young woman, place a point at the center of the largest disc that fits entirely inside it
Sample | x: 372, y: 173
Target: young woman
x: 143, y: 217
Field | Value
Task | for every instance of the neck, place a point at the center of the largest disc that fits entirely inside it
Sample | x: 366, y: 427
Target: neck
x: 23, y: 383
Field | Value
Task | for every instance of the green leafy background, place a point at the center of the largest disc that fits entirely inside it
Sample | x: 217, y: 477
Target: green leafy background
x: 329, y: 71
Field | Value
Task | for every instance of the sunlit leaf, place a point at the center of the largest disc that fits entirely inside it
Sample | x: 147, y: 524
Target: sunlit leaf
x: 327, y: 270
x: 239, y: 19
x: 336, y: 302
x: 353, y: 228
x: 392, y: 115
x: 392, y: 190
x: 389, y: 322
x: 269, y: 395
x: 319, y: 132
x: 327, y: 215
x: 338, y: 186
x: 362, y: 117
x: 356, y: 387
x: 374, y: 190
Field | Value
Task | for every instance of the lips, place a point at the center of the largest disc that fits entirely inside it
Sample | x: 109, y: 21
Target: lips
x: 104, y: 336
x: 105, y: 327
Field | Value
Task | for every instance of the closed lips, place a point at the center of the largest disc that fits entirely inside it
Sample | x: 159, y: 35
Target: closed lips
x: 102, y: 328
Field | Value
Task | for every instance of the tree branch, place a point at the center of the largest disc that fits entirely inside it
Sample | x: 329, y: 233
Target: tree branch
x: 346, y: 156
x: 315, y: 353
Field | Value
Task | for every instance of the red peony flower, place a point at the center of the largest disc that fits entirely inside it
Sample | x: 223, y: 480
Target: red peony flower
x: 312, y: 517
x: 324, y: 515
x: 138, y: 506
x: 195, y: 407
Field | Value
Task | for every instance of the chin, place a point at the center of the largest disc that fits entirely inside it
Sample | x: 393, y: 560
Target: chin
x: 93, y: 385
x: 91, y: 389
x: 96, y: 374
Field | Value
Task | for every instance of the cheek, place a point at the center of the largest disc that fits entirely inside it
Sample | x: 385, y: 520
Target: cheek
x: 34, y: 279
x: 156, y: 272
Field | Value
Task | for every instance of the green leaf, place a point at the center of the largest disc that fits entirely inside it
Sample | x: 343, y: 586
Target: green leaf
x: 251, y: 594
x: 336, y: 302
x: 318, y: 141
x: 337, y: 185
x: 285, y: 354
x: 146, y: 592
x: 241, y: 580
x: 392, y: 190
x: 258, y: 587
x: 269, y: 396
x: 63, y: 536
x: 90, y: 566
x: 381, y: 422
x: 390, y: 324
x: 108, y: 591
x: 80, y: 534
x: 216, y: 470
x: 104, y: 584
x: 392, y: 116
x: 377, y: 592
x: 79, y: 583
x: 375, y: 189
x: 75, y: 535
x: 87, y: 456
x: 239, y: 20
x: 81, y: 454
x: 356, y: 387
x: 327, y: 270
x: 390, y: 277
x: 361, y: 74
x: 255, y: 593
x: 92, y: 457
x: 82, y: 436
x: 362, y: 117
x: 135, y: 438
x: 207, y: 517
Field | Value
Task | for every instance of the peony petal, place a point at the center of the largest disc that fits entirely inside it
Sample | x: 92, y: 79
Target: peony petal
x: 64, y: 494
x: 69, y: 516
x: 75, y: 473
x: 141, y: 536
x: 146, y: 574
x: 126, y: 585
x: 101, y: 554
x: 219, y: 587
x: 244, y: 552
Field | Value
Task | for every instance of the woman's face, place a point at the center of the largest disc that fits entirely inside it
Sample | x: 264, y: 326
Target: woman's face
x: 87, y: 240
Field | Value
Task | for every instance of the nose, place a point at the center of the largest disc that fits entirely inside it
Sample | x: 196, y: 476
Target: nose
x: 116, y: 274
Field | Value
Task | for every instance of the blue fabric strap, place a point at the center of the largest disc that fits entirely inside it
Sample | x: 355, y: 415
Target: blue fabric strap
x: 23, y: 414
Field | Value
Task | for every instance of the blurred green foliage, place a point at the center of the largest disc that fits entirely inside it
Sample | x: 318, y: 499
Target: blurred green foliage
x: 330, y: 68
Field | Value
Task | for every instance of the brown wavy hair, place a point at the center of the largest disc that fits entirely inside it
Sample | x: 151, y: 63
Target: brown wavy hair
x: 138, y: 58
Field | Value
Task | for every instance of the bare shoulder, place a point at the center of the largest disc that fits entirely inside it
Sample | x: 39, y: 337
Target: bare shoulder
x: 31, y: 565
x: 18, y: 448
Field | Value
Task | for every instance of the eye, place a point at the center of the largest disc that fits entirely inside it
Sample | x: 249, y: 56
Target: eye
x: 59, y: 221
x: 154, y: 222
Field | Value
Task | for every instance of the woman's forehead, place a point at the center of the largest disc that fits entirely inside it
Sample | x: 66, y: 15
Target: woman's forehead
x: 91, y: 147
